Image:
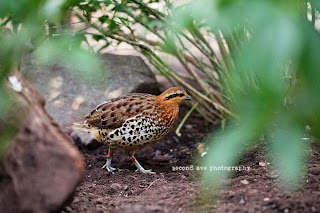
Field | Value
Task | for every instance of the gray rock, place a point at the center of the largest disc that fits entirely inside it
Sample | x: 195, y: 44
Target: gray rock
x: 115, y: 187
x: 69, y: 96
x: 41, y: 168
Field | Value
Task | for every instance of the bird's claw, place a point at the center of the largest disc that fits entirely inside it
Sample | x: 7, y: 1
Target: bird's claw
x: 145, y: 171
x: 109, y: 168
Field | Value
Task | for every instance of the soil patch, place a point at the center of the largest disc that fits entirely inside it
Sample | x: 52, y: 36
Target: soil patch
x: 256, y: 190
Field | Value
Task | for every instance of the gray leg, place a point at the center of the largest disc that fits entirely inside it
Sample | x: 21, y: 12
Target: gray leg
x: 137, y: 164
x: 107, y: 165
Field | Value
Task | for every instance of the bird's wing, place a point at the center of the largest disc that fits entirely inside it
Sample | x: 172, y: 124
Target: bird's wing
x: 112, y: 114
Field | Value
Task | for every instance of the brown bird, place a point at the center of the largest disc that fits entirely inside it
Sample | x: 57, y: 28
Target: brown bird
x: 132, y: 121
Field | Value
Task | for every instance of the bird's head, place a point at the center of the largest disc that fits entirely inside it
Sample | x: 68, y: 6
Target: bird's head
x: 174, y: 96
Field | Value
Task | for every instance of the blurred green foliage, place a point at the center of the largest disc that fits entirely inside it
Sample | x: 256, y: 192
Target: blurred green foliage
x: 25, y: 25
x: 275, y: 82
x: 260, y: 70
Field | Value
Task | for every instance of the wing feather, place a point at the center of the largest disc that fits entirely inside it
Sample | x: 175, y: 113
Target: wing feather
x: 113, y: 113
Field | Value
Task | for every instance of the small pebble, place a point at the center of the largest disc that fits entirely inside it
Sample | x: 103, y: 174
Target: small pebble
x: 241, y: 201
x: 115, y: 186
x: 183, y: 177
x: 245, y: 182
x: 158, y: 152
x: 99, y: 200
x: 125, y: 187
x: 68, y: 209
x: 203, y: 154
x: 161, y: 158
x: 189, y: 126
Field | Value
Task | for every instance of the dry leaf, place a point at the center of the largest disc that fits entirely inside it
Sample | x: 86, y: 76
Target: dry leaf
x: 261, y: 163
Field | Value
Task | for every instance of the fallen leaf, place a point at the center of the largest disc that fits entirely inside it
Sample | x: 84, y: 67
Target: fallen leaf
x: 261, y: 163
x: 201, y: 148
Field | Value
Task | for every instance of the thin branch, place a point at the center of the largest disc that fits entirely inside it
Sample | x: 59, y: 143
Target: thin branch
x: 65, y: 25
x: 214, y: 64
x: 185, y: 119
x: 152, y: 11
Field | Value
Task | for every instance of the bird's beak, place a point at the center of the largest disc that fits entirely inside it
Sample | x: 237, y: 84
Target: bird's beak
x: 188, y: 98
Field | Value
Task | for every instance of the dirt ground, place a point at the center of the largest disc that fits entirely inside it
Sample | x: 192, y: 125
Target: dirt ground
x: 256, y: 190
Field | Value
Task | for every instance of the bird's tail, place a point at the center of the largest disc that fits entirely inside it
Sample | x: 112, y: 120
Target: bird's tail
x: 80, y: 124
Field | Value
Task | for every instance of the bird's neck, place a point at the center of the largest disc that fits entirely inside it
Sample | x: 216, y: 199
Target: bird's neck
x: 170, y: 111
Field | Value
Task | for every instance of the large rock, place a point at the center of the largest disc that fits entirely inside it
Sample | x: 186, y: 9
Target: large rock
x: 69, y: 96
x: 41, y: 167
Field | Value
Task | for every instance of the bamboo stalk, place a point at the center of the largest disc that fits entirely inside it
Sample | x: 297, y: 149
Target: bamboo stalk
x: 214, y: 64
x: 223, y: 50
x: 154, y: 12
x: 213, y: 105
x: 145, y: 25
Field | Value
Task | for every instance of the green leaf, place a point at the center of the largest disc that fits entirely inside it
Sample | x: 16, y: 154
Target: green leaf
x: 289, y: 151
x: 169, y: 45
x: 315, y: 4
x: 97, y: 37
x: 224, y: 152
x: 67, y: 52
x: 113, y: 26
x: 263, y: 57
x: 104, y: 18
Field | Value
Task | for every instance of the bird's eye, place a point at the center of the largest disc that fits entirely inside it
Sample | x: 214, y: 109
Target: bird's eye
x: 174, y: 95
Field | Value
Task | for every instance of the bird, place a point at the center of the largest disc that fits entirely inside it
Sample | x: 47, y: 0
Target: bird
x: 132, y: 121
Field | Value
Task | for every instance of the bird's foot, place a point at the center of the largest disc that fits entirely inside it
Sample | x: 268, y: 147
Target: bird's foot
x: 140, y: 168
x: 107, y: 166
x: 145, y: 171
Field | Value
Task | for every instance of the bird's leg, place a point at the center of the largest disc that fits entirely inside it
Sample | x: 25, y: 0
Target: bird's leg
x: 107, y: 165
x: 137, y: 164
